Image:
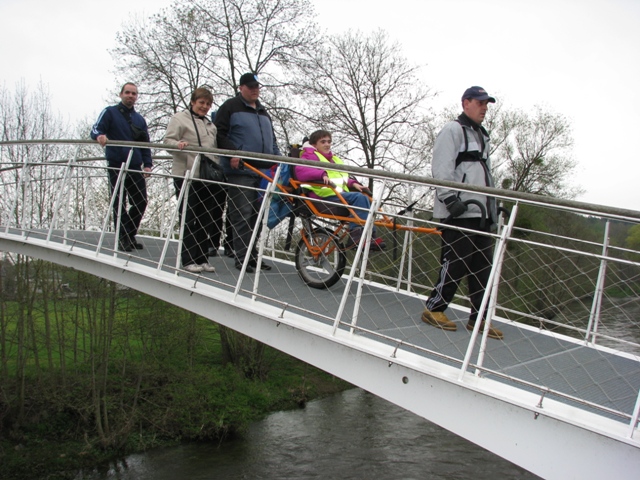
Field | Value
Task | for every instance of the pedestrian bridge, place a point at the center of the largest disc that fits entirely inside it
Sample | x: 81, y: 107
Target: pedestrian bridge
x: 558, y: 396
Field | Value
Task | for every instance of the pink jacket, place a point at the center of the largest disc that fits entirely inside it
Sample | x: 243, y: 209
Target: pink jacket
x: 311, y: 174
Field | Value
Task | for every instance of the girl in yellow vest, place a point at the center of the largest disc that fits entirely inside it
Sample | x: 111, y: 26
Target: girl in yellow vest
x: 319, y: 149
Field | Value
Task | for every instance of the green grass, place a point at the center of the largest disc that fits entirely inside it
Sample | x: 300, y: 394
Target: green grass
x: 165, y: 382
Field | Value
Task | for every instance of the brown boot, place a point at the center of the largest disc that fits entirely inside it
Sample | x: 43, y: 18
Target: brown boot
x: 438, y: 320
x: 493, y: 332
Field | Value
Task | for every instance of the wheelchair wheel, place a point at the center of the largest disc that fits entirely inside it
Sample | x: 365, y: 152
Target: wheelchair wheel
x: 320, y: 260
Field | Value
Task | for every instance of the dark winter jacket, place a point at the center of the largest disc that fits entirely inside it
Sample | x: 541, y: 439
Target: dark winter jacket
x: 113, y: 122
x: 243, y: 127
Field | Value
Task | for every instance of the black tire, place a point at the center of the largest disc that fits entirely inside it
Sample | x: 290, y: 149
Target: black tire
x: 324, y: 269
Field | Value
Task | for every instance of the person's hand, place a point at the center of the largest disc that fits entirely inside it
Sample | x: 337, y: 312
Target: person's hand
x: 102, y: 140
x: 182, y: 144
x: 235, y: 163
x: 455, y: 206
x: 327, y: 181
x: 361, y: 188
x: 147, y: 171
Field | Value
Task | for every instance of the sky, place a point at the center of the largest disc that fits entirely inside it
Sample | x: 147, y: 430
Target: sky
x: 577, y: 58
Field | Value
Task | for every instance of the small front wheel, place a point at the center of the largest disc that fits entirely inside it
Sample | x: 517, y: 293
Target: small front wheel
x: 320, y: 259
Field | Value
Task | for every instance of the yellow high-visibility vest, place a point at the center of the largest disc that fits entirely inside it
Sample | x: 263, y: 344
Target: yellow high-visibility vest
x: 339, y: 179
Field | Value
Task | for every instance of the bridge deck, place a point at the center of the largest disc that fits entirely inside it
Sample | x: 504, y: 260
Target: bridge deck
x: 545, y: 400
x: 527, y: 355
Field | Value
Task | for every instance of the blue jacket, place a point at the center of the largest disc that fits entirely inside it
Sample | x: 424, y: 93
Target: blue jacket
x: 114, y: 125
x: 243, y: 127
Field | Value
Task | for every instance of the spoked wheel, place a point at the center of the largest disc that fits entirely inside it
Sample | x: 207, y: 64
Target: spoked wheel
x: 320, y: 260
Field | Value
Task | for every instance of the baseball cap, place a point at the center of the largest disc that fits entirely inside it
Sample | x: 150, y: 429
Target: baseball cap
x: 250, y: 80
x: 478, y: 93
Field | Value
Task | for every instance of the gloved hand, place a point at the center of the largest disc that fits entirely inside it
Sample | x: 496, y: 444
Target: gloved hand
x: 455, y: 206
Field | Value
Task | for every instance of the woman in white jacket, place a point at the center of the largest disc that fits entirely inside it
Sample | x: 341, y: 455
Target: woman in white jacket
x: 205, y: 203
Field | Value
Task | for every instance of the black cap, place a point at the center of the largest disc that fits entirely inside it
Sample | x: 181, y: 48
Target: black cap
x: 478, y: 93
x: 250, y: 80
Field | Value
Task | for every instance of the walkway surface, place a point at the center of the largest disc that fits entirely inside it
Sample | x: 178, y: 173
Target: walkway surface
x: 527, y: 357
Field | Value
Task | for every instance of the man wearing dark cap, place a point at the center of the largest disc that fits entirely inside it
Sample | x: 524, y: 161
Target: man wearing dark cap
x: 461, y: 154
x: 244, y: 122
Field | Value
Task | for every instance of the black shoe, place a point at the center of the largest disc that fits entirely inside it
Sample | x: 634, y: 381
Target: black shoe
x: 250, y: 269
x: 263, y: 266
x: 131, y: 240
x: 125, y: 246
x: 228, y: 252
x: 212, y: 252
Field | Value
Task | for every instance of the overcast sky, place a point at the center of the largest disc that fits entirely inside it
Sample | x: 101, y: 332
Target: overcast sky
x: 579, y: 58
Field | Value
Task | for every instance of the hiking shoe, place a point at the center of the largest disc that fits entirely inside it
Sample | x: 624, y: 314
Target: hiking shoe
x: 493, y: 332
x: 193, y: 268
x: 207, y: 267
x: 438, y: 320
x: 377, y: 244
x: 354, y: 237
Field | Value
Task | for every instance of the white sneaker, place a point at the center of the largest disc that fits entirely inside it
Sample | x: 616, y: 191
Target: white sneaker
x: 193, y: 268
x: 207, y: 267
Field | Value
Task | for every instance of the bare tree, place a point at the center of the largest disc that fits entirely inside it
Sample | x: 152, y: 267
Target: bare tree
x: 533, y: 152
x: 364, y: 91
x: 28, y: 115
x: 530, y: 152
x: 209, y: 43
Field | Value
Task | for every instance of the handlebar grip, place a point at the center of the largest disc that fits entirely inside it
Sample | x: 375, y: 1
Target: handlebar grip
x: 483, y: 211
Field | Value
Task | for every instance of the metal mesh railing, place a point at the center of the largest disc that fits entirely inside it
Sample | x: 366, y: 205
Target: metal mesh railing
x: 566, y: 292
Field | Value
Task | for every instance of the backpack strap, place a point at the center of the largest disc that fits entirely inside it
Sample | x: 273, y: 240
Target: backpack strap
x: 466, y: 156
x: 139, y: 135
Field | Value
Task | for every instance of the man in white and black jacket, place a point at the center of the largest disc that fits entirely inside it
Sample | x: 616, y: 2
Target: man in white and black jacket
x: 461, y: 154
x: 244, y: 122
x: 122, y: 122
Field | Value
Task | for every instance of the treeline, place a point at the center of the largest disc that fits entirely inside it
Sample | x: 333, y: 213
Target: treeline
x: 90, y: 369
x: 358, y: 85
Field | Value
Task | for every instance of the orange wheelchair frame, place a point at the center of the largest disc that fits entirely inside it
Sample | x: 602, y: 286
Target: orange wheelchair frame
x: 320, y: 254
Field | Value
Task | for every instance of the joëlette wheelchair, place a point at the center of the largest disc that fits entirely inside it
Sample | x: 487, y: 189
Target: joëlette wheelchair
x: 320, y: 255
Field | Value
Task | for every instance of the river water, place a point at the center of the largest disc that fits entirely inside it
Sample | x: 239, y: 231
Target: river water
x: 351, y: 435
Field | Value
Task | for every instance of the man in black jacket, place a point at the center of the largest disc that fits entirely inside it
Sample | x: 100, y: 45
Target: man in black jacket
x: 122, y: 122
x: 245, y: 123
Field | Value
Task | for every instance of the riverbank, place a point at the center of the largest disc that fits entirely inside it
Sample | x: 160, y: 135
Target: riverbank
x: 105, y: 371
x: 207, y: 403
x: 351, y: 435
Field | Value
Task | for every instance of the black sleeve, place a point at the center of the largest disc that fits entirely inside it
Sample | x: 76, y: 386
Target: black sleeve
x: 222, y: 123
